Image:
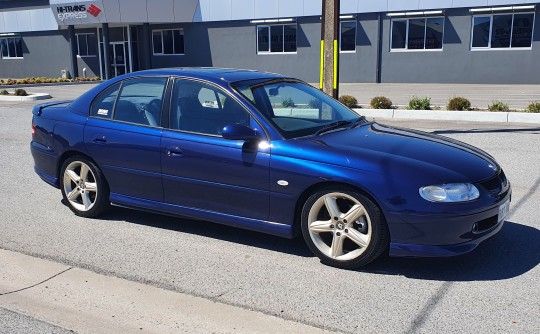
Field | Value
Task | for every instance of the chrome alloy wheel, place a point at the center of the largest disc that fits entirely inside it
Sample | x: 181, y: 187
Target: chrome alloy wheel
x: 80, y: 186
x: 339, y: 226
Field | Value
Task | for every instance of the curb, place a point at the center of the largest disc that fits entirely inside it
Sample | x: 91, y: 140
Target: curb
x: 30, y: 97
x: 472, y: 116
x: 51, y: 84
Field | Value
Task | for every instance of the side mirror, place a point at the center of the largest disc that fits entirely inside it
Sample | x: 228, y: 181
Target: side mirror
x: 240, y: 132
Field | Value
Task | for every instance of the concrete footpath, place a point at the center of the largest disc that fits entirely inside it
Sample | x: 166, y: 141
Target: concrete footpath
x: 37, y: 293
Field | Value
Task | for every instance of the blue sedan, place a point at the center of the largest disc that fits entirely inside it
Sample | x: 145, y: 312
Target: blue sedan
x: 271, y: 154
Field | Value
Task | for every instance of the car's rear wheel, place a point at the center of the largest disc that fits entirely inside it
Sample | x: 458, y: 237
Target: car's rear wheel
x: 344, y: 228
x: 83, y: 187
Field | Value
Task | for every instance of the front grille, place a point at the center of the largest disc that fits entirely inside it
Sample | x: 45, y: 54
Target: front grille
x: 496, y: 185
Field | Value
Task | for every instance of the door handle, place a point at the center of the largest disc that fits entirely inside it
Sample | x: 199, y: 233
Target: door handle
x: 174, y: 151
x: 100, y: 140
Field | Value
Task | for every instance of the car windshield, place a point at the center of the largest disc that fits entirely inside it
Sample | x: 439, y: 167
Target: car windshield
x: 297, y: 109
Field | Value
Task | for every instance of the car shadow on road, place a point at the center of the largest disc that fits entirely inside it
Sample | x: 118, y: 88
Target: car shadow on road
x: 211, y: 230
x: 512, y: 252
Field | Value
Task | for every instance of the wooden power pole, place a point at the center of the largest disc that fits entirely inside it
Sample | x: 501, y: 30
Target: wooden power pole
x: 329, y: 67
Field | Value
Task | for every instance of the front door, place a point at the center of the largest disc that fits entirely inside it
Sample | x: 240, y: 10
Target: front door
x: 201, y: 169
x: 119, y: 61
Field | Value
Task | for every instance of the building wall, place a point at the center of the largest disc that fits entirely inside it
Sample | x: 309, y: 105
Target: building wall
x: 45, y: 54
x: 457, y: 63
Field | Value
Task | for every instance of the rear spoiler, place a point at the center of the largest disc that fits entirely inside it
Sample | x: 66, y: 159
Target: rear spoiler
x: 37, y: 109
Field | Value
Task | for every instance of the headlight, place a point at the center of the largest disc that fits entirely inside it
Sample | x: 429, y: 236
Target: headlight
x: 452, y: 192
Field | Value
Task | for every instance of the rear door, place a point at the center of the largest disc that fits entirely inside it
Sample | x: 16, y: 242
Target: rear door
x: 123, y: 136
x: 203, y: 170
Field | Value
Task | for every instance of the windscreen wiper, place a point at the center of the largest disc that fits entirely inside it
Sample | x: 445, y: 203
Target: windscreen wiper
x: 333, y: 126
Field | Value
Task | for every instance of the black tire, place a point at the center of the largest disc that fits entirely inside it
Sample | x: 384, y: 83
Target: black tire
x: 94, y: 179
x: 368, y: 229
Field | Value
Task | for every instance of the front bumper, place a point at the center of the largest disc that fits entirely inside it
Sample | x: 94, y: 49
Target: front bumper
x: 442, y: 235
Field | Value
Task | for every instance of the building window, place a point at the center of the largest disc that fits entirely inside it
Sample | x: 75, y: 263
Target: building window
x: 86, y: 45
x: 424, y: 33
x: 168, y: 42
x: 347, y: 40
x: 11, y: 47
x: 276, y: 38
x: 502, y: 31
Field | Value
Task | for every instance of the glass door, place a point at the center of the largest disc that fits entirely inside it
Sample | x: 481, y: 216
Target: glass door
x: 117, y: 53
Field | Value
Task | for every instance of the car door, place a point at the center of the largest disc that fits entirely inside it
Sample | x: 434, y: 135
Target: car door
x: 123, y: 136
x: 201, y: 169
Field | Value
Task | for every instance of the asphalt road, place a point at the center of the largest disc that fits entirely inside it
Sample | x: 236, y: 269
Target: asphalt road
x: 491, y: 290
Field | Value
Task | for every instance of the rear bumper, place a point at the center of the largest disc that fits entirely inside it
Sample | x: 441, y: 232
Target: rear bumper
x: 443, y: 235
x: 44, y: 163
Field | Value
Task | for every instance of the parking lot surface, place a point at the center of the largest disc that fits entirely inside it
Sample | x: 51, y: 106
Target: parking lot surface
x: 494, y: 289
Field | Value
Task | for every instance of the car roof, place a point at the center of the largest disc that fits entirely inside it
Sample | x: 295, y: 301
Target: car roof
x: 228, y: 75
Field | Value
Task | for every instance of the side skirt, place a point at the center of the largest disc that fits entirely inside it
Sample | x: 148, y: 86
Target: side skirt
x: 277, y: 229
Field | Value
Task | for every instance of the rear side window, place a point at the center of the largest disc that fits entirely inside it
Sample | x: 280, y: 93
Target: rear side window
x: 103, y: 105
x: 139, y: 101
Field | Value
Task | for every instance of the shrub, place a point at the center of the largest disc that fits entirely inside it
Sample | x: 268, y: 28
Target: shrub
x: 315, y: 103
x: 20, y: 92
x: 498, y: 106
x: 4, y: 92
x: 458, y: 103
x: 381, y: 102
x: 288, y: 103
x: 348, y: 100
x: 419, y: 103
x: 534, y: 107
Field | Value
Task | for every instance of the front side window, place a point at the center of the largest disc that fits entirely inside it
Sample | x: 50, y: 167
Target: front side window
x: 276, y: 38
x: 347, y: 40
x: 202, y: 108
x: 11, y: 47
x: 168, y: 42
x: 502, y: 31
x: 86, y: 45
x: 294, y: 108
x: 424, y: 33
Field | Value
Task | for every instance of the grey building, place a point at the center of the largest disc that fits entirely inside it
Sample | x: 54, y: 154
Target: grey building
x: 414, y: 41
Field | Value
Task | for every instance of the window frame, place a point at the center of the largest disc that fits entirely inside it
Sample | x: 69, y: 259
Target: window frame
x: 407, y: 19
x: 7, y: 38
x: 85, y: 34
x: 491, y: 15
x: 164, y: 98
x: 269, y: 26
x: 160, y: 31
x: 341, y: 35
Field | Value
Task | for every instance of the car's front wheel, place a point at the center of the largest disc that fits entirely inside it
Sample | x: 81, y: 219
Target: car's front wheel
x: 83, y: 187
x: 344, y: 228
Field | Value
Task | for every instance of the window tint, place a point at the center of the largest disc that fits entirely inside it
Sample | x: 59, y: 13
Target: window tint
x: 168, y: 42
x: 12, y: 47
x: 103, y: 105
x: 276, y: 38
x: 481, y: 27
x: 399, y: 34
x: 500, y: 33
x: 86, y: 45
x: 140, y: 101
x: 418, y: 33
x: 434, y: 33
x: 202, y: 108
x: 503, y: 31
x: 156, y: 40
x: 263, y: 44
x: 522, y: 30
x: 348, y: 36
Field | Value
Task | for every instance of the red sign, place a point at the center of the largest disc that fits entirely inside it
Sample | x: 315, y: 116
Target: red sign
x: 94, y: 10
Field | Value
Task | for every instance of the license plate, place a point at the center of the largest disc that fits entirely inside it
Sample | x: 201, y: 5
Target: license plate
x: 503, y: 210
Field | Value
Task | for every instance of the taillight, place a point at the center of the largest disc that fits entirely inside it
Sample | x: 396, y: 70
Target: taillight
x: 33, y: 129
